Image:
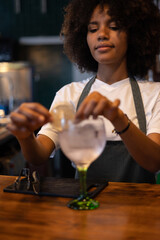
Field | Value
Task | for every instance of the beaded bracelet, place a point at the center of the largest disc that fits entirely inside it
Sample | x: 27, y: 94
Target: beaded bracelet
x: 124, y: 130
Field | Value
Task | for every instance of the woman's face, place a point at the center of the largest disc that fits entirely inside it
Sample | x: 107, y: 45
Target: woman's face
x: 107, y: 43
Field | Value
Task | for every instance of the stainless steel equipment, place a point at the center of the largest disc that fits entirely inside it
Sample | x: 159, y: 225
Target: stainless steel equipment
x: 15, y: 84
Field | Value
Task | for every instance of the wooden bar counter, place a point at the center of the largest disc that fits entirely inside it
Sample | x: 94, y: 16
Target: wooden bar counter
x: 127, y: 211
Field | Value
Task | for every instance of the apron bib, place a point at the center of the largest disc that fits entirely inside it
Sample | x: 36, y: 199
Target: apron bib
x: 115, y: 163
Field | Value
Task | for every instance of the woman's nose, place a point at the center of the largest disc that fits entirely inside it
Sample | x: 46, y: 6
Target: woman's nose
x: 103, y: 33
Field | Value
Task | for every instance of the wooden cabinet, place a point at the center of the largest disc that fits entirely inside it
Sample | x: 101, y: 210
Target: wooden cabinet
x: 31, y: 19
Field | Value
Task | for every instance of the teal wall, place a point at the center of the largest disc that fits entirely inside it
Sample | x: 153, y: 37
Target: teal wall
x: 52, y: 70
x: 31, y: 21
x: 51, y: 67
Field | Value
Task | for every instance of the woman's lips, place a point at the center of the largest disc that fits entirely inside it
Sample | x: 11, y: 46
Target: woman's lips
x: 104, y: 47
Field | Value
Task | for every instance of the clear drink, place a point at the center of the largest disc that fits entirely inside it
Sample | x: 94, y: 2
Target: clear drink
x: 82, y: 143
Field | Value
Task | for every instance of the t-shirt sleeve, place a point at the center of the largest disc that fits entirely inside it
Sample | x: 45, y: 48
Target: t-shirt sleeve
x: 154, y: 123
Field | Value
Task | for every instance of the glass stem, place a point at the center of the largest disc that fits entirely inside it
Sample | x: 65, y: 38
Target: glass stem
x: 82, y: 178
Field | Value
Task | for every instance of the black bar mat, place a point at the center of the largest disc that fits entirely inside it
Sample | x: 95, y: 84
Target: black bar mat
x: 60, y: 187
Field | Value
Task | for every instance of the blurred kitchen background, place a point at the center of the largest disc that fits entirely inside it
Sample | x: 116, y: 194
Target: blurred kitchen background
x: 33, y: 67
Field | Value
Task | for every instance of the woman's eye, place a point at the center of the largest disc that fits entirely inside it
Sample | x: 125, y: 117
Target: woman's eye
x: 92, y: 30
x: 114, y: 28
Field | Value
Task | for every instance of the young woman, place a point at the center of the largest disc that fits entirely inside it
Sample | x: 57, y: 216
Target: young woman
x: 118, y: 40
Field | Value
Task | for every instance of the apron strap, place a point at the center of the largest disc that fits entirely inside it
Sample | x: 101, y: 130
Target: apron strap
x: 136, y: 96
x: 138, y: 104
x: 85, y: 91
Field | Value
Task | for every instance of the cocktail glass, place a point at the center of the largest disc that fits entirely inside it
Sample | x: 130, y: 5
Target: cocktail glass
x: 83, y: 143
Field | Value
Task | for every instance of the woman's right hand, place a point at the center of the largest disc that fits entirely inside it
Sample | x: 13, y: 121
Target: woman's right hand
x: 27, y: 118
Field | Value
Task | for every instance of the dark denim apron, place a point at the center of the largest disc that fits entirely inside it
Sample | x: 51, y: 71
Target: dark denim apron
x: 115, y: 163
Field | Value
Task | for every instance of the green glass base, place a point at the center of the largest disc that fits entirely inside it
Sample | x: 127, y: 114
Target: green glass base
x: 83, y: 204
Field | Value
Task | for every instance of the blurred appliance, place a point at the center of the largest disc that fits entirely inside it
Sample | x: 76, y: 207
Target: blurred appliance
x: 15, y: 84
x: 8, y: 49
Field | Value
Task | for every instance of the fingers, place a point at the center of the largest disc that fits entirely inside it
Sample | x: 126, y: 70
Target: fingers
x: 86, y: 109
x: 34, y: 111
x: 27, y: 118
x: 96, y: 104
x: 30, y: 114
x: 88, y: 105
x: 116, y: 103
x: 20, y: 132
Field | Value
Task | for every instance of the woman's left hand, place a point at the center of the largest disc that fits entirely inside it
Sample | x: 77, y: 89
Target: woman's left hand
x: 96, y: 104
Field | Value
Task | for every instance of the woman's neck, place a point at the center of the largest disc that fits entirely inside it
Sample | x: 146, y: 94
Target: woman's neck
x: 110, y: 74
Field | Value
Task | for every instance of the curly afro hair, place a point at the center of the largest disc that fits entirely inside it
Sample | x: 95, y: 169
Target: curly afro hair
x: 139, y: 18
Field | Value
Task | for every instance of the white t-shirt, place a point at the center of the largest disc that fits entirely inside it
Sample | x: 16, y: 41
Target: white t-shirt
x: 150, y: 92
